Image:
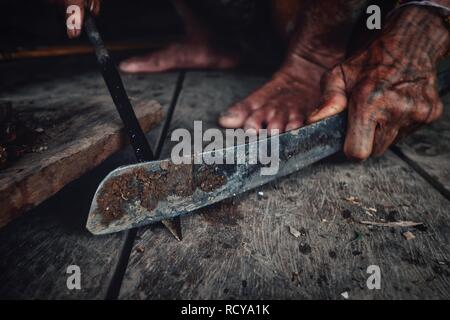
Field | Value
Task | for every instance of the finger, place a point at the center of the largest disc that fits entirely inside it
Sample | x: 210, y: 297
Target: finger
x: 74, y: 17
x: 360, y: 133
x: 384, y: 138
x: 334, y: 97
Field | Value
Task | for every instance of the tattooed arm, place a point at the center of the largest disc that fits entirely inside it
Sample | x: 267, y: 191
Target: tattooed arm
x: 390, y: 89
x: 443, y: 5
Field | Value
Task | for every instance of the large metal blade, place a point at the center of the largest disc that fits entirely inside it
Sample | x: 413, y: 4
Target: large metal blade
x: 145, y: 193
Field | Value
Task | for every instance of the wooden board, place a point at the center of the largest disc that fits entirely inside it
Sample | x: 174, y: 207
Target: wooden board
x: 243, y: 249
x: 429, y: 150
x: 77, y: 131
x: 37, y: 248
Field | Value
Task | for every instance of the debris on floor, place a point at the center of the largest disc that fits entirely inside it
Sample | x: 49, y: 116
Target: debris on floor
x: 294, y: 232
x: 357, y: 236
x: 17, y: 135
x: 140, y: 248
x: 409, y: 235
x: 345, y: 295
x: 295, y: 279
x: 261, y: 195
x: 368, y: 213
x: 347, y: 214
x: 352, y: 200
x: 305, y: 248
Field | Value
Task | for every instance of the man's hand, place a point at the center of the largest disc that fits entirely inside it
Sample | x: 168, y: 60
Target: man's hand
x: 92, y: 5
x: 390, y: 89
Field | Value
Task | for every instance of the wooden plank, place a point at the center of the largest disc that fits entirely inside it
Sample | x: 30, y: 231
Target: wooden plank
x: 243, y: 248
x: 79, y: 133
x: 429, y: 149
x: 37, y: 248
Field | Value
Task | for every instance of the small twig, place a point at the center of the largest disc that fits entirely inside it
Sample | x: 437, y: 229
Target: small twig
x: 398, y: 224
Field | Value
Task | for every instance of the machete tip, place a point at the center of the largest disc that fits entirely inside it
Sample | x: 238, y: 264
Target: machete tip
x: 174, y: 226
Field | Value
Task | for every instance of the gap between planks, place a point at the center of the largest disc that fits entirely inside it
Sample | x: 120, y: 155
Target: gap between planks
x: 126, y: 250
x: 115, y: 284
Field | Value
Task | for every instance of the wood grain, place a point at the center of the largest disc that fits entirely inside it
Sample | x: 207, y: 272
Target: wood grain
x: 80, y: 132
x: 243, y: 248
x: 37, y: 248
x: 429, y: 149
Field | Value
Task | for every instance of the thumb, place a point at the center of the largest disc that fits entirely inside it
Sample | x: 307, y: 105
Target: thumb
x: 334, y: 96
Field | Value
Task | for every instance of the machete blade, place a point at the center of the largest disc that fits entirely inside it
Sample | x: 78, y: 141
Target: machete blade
x: 123, y: 105
x: 146, y: 193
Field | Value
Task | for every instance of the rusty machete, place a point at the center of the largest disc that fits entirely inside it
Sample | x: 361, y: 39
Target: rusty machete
x: 145, y: 193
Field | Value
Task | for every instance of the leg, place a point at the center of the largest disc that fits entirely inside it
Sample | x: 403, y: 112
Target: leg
x: 197, y: 50
x: 318, y: 41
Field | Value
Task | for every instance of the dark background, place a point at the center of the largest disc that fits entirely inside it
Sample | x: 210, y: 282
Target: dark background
x: 30, y: 23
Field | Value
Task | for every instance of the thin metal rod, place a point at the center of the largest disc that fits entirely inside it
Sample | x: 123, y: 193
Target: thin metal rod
x: 113, y: 81
x: 115, y: 86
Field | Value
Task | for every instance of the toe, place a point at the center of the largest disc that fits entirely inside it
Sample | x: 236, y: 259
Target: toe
x: 236, y: 116
x: 256, y: 121
x: 294, y: 124
x: 278, y: 121
x: 296, y: 119
x: 155, y: 62
x: 134, y: 65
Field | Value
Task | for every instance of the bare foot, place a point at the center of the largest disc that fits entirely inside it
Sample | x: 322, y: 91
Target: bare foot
x: 197, y: 51
x: 283, y: 104
x: 183, y: 55
x: 318, y: 43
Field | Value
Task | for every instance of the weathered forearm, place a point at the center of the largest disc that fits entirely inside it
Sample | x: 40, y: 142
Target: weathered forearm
x: 416, y: 35
x: 443, y: 5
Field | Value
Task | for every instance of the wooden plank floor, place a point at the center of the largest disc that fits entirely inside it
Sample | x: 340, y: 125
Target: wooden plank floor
x: 78, y: 131
x: 429, y: 151
x: 37, y: 248
x: 242, y: 248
